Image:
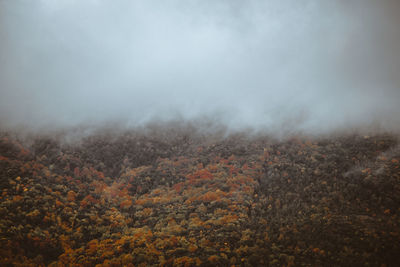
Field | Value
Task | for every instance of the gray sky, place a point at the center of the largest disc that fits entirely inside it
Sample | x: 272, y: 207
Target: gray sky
x: 313, y: 66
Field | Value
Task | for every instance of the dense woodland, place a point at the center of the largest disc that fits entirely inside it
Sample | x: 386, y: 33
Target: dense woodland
x: 182, y: 198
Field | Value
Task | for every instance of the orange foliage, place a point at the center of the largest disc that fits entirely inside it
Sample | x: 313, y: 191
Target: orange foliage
x: 210, y: 196
x: 17, y: 198
x: 196, y: 221
x: 173, y: 241
x: 187, y: 261
x: 141, y: 201
x: 316, y: 250
x: 202, y: 174
x: 213, y: 259
x: 229, y: 219
x: 192, y: 248
x: 387, y: 211
x: 126, y: 204
x: 147, y: 212
x: 212, y: 168
x: 88, y: 200
x: 71, y: 195
x: 59, y: 203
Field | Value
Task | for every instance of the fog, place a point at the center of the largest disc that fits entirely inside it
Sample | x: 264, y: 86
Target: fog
x: 279, y: 66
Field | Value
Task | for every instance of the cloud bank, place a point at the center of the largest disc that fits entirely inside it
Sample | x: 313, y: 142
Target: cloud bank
x: 311, y: 66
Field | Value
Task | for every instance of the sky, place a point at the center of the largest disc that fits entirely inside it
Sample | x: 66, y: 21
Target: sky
x: 277, y: 65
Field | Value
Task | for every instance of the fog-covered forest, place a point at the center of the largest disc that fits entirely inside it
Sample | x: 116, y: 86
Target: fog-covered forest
x: 199, y: 133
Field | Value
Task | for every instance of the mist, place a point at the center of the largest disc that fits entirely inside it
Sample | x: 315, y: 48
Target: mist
x: 280, y: 66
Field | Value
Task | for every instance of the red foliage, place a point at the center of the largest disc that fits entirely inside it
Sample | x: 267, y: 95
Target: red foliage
x: 178, y: 187
x: 76, y: 172
x: 126, y: 204
x: 202, y: 174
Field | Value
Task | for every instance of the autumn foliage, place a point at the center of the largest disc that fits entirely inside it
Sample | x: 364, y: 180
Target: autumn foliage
x: 138, y: 200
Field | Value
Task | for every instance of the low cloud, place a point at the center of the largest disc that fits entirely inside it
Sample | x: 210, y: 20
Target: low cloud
x: 280, y: 66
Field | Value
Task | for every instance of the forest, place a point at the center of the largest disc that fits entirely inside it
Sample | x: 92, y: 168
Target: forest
x: 180, y: 197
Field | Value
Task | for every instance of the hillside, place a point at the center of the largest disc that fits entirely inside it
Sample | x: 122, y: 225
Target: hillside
x: 181, y: 198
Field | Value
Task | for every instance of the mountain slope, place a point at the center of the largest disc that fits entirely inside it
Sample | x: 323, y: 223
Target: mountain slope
x: 185, y: 199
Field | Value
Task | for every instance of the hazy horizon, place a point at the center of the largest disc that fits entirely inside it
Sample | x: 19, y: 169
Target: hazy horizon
x: 309, y: 66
